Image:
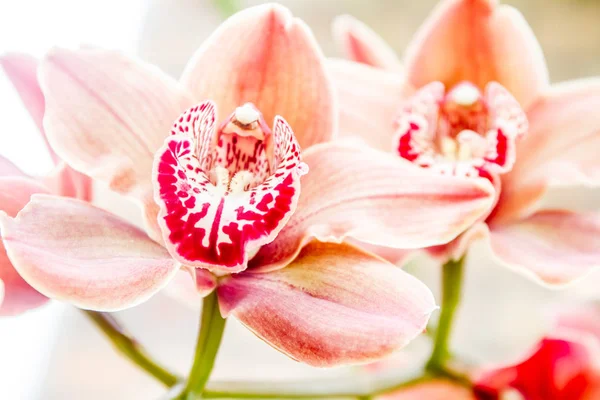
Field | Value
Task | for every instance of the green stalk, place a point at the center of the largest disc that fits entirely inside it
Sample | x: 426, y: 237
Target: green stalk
x: 210, y: 334
x: 130, y: 348
x: 452, y: 277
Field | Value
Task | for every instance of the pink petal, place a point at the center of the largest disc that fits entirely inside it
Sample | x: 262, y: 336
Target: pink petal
x: 480, y: 42
x: 22, y: 70
x: 432, y: 390
x: 333, y: 305
x: 554, y: 246
x: 376, y: 198
x: 107, y: 114
x: 560, y: 148
x: 7, y: 168
x: 369, y: 100
x: 18, y: 297
x: 459, y: 246
x: 265, y: 56
x: 67, y: 182
x: 208, y: 224
x: 361, y: 44
x: 75, y: 252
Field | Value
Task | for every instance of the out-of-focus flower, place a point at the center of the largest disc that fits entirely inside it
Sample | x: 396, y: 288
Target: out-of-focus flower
x: 16, y: 187
x: 475, y: 101
x: 564, y: 366
x: 224, y: 198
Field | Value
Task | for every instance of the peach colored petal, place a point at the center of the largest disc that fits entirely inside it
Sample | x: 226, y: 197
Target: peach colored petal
x: 376, y: 198
x: 360, y: 43
x: 369, y: 100
x: 106, y: 115
x: 18, y: 296
x: 265, y: 56
x: 75, y: 252
x: 478, y: 41
x: 553, y: 246
x: 560, y: 148
x: 22, y: 71
x: 432, y: 390
x: 333, y: 305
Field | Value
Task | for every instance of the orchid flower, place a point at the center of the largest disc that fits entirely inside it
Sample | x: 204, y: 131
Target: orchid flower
x: 474, y: 100
x: 16, y: 187
x: 257, y: 212
x: 433, y: 390
x: 564, y: 366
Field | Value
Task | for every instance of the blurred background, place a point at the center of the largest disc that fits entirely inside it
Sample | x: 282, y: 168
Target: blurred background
x: 54, y: 353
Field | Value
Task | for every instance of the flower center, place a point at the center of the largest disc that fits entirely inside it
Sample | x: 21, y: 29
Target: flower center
x: 242, y: 153
x: 462, y: 131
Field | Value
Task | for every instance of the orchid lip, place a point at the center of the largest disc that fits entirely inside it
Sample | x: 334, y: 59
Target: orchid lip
x: 462, y: 131
x: 223, y: 193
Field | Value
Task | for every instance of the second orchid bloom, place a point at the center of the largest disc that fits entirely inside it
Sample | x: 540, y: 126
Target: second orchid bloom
x: 242, y: 190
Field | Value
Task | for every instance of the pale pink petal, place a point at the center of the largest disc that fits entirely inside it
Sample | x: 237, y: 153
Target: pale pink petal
x: 107, y: 114
x: 265, y: 56
x: 377, y: 198
x: 67, y: 182
x: 553, y: 246
x: 15, y: 192
x: 369, y: 101
x: 396, y: 256
x: 584, y: 319
x: 75, y: 252
x: 22, y: 71
x: 333, y: 305
x: 7, y: 168
x: 560, y: 147
x: 217, y: 224
x: 432, y: 390
x: 480, y: 42
x: 359, y: 43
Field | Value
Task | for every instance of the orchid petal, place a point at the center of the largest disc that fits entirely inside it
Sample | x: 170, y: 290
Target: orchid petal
x: 75, y: 252
x: 376, y: 198
x: 15, y: 192
x: 560, y: 147
x: 67, y: 182
x: 480, y: 42
x: 333, y: 305
x: 361, y: 44
x: 107, y: 114
x: 208, y: 224
x: 432, y: 390
x: 7, y: 168
x: 369, y: 101
x: 554, y: 246
x: 22, y: 71
x: 265, y: 56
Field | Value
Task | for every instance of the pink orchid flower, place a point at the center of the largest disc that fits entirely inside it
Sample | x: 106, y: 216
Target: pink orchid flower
x: 16, y: 187
x: 230, y: 198
x: 564, y: 366
x: 475, y: 101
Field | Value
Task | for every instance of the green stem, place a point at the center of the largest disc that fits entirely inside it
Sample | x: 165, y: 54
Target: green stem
x: 452, y: 276
x: 210, y: 334
x: 129, y: 347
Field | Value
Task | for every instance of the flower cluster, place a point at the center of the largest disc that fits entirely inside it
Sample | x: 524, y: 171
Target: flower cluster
x: 288, y: 187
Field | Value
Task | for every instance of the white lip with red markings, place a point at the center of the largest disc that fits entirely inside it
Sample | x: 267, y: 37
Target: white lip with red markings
x: 223, y: 193
x: 461, y: 132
